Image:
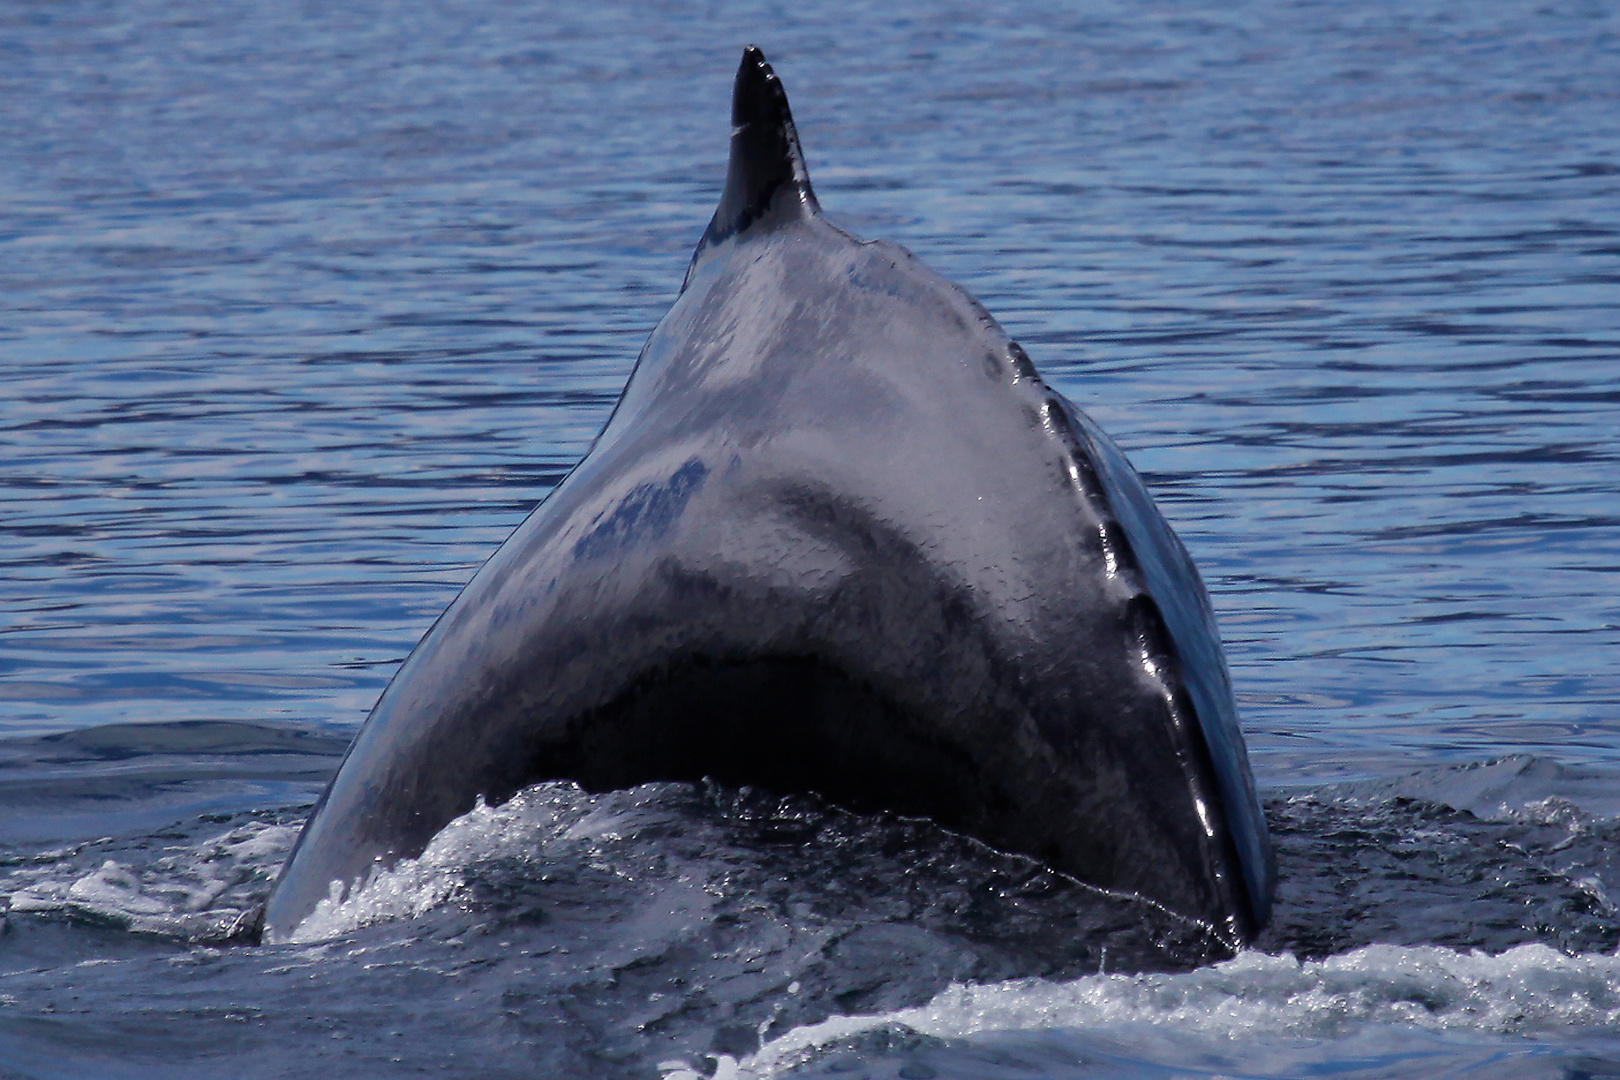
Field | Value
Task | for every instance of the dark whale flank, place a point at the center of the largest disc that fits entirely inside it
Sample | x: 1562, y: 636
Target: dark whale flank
x: 837, y: 536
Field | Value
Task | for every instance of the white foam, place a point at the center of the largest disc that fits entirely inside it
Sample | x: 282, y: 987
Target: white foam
x: 197, y: 889
x: 1530, y: 990
x: 114, y: 887
x: 518, y: 828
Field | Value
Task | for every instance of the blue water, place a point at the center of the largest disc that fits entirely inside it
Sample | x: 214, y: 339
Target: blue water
x: 302, y: 310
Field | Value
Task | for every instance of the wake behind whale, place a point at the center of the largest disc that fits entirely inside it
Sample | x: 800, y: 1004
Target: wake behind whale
x: 837, y: 536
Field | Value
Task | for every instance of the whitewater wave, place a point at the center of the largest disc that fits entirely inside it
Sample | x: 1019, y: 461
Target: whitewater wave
x: 522, y: 830
x: 1532, y: 990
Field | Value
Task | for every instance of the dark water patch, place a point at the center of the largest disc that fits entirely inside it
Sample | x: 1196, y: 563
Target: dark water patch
x: 1408, y: 873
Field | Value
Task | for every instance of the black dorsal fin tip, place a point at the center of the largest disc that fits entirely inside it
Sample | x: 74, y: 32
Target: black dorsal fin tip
x: 757, y: 95
x: 767, y: 170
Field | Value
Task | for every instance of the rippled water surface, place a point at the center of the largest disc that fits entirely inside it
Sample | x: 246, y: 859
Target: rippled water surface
x: 302, y: 310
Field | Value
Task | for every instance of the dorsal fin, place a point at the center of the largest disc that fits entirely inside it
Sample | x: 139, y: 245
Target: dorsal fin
x: 767, y: 170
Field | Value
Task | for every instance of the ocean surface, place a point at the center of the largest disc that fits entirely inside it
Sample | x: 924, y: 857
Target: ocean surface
x: 304, y: 307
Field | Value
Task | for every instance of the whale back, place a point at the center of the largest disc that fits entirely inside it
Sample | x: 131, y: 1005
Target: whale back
x: 837, y: 536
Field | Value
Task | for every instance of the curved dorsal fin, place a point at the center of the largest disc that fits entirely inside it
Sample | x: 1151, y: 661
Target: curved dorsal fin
x: 767, y: 168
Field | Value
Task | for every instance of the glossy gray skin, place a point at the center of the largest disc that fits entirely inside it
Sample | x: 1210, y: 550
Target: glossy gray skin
x: 837, y: 536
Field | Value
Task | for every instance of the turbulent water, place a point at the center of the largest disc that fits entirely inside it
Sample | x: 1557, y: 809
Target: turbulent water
x: 302, y: 310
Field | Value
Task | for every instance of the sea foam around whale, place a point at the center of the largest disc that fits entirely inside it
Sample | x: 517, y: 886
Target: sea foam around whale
x: 1374, y: 993
x: 1458, y: 915
x: 1385, y: 1002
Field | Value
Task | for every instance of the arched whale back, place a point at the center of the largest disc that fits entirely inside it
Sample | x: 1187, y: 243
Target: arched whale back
x: 837, y: 535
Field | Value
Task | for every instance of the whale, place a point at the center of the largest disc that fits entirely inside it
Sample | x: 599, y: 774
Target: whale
x: 837, y: 536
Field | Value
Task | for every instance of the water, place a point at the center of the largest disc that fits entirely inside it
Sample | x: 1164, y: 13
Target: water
x: 303, y: 310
